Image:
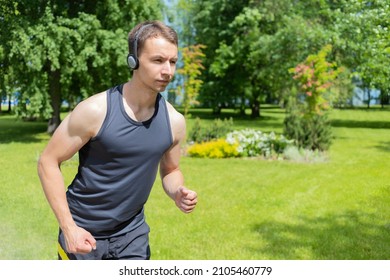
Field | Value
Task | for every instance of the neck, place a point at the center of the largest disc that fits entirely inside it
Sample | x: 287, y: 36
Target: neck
x: 138, y: 96
x: 138, y: 102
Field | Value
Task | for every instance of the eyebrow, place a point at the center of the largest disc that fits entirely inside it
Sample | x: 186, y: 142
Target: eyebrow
x: 164, y: 57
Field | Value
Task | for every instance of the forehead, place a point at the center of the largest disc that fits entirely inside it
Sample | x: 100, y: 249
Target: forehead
x: 159, y: 45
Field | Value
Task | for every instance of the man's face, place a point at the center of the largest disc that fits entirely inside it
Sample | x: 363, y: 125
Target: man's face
x: 157, y: 63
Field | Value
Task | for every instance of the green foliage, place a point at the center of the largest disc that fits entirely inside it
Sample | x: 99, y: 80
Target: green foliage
x: 61, y: 50
x: 37, y: 107
x: 251, y: 56
x: 364, y: 40
x: 312, y: 132
x: 252, y: 44
x: 342, y: 91
x: 201, y: 132
x: 210, y: 22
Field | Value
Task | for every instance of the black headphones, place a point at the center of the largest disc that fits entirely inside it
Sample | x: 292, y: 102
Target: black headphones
x: 132, y: 59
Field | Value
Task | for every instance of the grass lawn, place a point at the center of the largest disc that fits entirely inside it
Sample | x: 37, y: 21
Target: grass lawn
x: 248, y: 209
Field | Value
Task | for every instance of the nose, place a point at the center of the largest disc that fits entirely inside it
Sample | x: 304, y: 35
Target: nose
x: 168, y: 69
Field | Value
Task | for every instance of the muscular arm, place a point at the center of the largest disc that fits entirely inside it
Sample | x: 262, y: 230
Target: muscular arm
x: 171, y: 175
x: 74, y: 131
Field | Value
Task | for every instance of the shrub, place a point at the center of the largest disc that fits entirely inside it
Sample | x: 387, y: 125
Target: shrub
x: 253, y: 143
x: 309, y: 132
x: 213, y: 149
x: 202, y: 133
x: 308, y: 125
x: 315, y: 76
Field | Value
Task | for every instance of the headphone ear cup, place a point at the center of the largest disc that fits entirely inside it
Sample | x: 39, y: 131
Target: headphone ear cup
x: 132, y: 61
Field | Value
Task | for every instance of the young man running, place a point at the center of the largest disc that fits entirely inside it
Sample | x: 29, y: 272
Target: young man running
x: 122, y: 135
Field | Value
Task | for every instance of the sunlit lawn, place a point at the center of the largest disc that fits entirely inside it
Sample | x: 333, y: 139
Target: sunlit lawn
x: 248, y: 209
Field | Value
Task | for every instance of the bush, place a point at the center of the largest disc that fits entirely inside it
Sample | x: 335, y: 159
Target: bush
x: 253, y: 143
x: 312, y: 132
x: 214, y: 149
x: 217, y: 130
x: 242, y: 143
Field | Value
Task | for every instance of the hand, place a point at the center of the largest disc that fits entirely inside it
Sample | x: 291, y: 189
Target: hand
x: 79, y: 241
x: 186, y: 199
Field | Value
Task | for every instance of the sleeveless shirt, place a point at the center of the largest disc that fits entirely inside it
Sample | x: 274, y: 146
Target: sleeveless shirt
x: 117, y: 169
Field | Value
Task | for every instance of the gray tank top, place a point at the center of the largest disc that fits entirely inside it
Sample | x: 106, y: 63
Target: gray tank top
x: 117, y: 169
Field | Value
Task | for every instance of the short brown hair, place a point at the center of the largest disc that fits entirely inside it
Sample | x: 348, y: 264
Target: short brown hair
x: 150, y: 29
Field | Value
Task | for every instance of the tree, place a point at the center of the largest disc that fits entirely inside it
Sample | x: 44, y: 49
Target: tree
x: 234, y: 59
x: 8, y: 13
x: 364, y: 40
x: 192, y: 57
x: 210, y: 22
x: 253, y: 44
x: 308, y: 125
x: 315, y: 76
x: 68, y: 50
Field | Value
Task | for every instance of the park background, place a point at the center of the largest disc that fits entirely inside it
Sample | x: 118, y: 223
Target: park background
x: 236, y: 61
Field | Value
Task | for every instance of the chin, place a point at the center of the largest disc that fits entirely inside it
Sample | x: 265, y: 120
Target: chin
x: 161, y: 89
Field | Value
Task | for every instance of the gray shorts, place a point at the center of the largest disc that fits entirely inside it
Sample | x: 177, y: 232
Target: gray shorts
x: 133, y: 245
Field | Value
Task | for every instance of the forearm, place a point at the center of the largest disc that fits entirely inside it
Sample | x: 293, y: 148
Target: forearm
x: 172, y: 181
x: 54, y: 189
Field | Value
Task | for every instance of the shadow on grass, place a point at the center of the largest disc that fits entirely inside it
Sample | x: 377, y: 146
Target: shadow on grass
x: 360, y: 124
x: 383, y: 146
x: 269, y: 119
x: 13, y: 130
x: 348, y: 236
x: 207, y: 114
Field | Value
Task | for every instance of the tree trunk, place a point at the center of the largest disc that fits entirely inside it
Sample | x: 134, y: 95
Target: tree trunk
x: 3, y: 93
x: 55, y: 94
x: 217, y: 109
x: 384, y: 95
x: 242, y: 110
x: 256, y: 100
x: 242, y: 105
x: 255, y: 109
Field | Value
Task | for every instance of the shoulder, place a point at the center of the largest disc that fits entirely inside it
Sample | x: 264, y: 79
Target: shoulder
x: 89, y: 114
x: 178, y: 123
x: 175, y: 116
x: 92, y: 107
x: 94, y: 103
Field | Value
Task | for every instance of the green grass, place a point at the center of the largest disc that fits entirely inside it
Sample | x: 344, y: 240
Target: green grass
x: 248, y: 209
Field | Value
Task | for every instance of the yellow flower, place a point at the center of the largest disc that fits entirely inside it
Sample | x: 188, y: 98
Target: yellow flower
x: 213, y: 149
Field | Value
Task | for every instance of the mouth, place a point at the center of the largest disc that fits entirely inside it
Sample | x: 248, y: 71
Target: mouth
x: 165, y: 82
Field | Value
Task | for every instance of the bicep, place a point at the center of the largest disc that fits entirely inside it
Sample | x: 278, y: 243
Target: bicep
x: 170, y: 160
x: 68, y: 138
x: 76, y: 129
